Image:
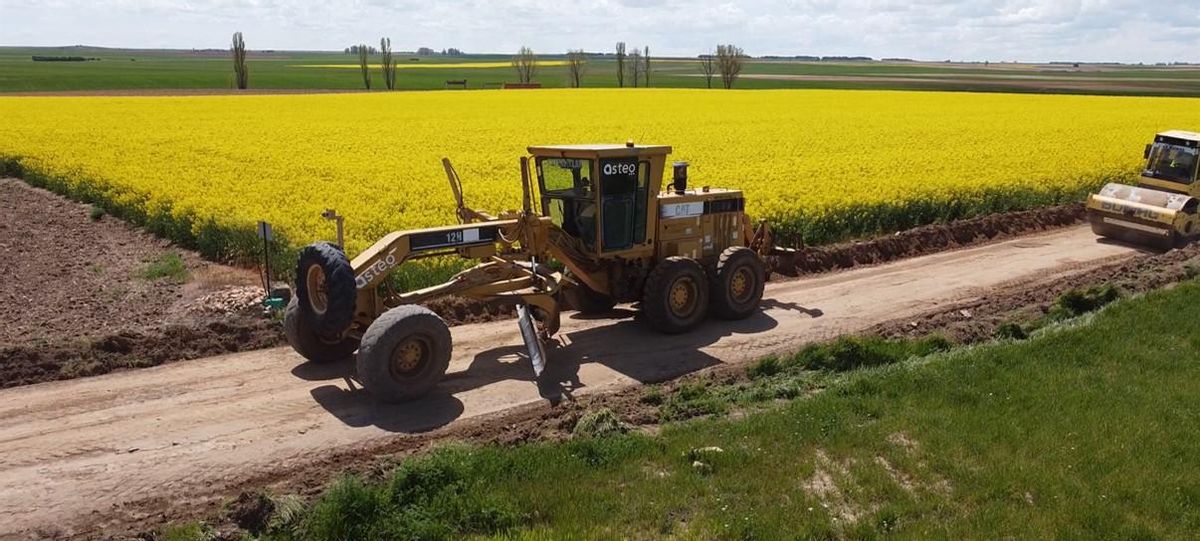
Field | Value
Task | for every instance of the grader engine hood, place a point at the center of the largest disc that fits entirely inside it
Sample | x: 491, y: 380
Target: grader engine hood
x: 1141, y: 215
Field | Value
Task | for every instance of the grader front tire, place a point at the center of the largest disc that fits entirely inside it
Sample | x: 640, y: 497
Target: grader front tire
x: 739, y: 279
x: 675, y: 298
x: 310, y: 344
x: 404, y: 354
x: 326, y: 289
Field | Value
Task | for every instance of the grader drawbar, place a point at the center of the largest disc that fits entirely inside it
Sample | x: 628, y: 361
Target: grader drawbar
x: 595, y: 228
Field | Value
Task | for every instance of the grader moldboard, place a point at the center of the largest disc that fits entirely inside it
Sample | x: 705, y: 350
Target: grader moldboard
x: 681, y: 253
x: 1161, y: 211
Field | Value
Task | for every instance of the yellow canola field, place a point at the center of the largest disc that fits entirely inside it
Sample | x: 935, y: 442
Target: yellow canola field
x: 822, y: 164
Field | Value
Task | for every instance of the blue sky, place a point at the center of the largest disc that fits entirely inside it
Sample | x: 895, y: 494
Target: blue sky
x: 996, y: 30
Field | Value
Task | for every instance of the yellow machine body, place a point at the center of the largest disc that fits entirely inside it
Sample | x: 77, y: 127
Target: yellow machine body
x: 596, y: 227
x: 1161, y: 211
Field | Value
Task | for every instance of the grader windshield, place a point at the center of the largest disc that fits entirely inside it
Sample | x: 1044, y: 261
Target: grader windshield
x: 597, y: 200
x: 567, y: 196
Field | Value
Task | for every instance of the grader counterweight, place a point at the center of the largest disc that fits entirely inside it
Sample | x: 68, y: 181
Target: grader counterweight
x: 598, y: 211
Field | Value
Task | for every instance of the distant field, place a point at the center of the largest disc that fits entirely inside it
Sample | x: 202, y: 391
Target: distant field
x: 143, y: 69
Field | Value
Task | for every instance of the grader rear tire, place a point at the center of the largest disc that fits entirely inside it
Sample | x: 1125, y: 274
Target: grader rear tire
x: 675, y: 298
x: 737, y: 283
x: 310, y: 344
x: 404, y: 354
x: 326, y: 289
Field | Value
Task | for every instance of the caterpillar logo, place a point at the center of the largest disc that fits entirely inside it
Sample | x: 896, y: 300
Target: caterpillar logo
x: 1129, y: 211
x: 381, y: 266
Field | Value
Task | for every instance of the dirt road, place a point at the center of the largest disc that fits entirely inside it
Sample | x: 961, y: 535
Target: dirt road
x: 71, y: 450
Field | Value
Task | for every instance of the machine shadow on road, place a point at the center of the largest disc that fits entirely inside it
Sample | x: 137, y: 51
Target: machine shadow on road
x: 626, y: 346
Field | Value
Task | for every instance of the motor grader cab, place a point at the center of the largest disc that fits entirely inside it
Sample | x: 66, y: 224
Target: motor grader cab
x: 1161, y: 211
x: 596, y: 228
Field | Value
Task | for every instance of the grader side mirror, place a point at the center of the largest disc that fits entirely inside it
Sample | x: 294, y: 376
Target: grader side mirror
x: 1146, y: 152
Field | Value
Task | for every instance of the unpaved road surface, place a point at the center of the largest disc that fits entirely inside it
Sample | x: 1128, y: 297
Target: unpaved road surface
x: 72, y: 450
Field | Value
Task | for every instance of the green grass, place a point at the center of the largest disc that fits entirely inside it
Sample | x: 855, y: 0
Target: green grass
x: 160, y: 69
x: 167, y: 266
x: 1084, y: 431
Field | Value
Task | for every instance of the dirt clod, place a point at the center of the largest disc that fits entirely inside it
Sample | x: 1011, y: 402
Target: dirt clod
x: 929, y: 239
x: 251, y: 511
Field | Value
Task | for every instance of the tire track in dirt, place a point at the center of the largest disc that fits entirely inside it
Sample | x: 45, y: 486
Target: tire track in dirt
x: 72, y: 451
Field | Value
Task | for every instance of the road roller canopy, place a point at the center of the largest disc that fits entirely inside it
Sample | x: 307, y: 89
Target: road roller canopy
x: 1173, y: 157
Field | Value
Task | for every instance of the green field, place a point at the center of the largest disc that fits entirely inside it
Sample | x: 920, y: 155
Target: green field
x: 119, y: 69
x: 1079, y: 432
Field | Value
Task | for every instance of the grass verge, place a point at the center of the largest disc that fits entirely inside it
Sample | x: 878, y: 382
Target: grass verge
x: 1085, y: 430
x: 167, y: 266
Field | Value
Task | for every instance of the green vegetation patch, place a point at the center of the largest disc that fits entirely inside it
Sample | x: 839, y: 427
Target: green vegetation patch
x: 167, y: 266
x: 1086, y: 430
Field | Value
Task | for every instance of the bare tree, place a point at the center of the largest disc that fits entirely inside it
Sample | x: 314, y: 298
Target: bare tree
x: 576, y: 63
x: 388, y: 63
x: 526, y: 64
x: 621, y: 63
x: 646, y: 71
x: 708, y: 66
x: 729, y: 63
x: 239, y: 62
x: 635, y: 67
x: 363, y: 58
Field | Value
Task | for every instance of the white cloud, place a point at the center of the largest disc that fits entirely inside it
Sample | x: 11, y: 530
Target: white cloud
x: 1033, y: 30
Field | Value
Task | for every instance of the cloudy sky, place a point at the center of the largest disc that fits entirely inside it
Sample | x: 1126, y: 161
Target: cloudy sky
x: 1028, y: 30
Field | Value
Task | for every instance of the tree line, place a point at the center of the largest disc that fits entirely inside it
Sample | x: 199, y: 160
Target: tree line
x: 632, y: 67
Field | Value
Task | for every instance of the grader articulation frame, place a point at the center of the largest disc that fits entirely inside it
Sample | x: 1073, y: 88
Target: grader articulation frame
x: 601, y: 215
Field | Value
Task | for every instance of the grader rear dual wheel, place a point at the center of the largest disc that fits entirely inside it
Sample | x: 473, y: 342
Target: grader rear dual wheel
x: 675, y: 297
x: 679, y: 293
x: 738, y: 281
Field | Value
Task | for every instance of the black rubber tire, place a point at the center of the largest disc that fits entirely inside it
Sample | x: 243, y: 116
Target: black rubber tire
x: 305, y: 340
x: 340, y: 290
x: 656, y: 295
x: 387, y: 333
x: 733, y: 260
x: 590, y: 302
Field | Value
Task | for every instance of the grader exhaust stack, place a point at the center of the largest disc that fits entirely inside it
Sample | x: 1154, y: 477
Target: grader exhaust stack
x: 601, y: 213
x: 1161, y: 211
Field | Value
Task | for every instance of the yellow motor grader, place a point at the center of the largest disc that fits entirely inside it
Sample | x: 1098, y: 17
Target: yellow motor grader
x: 1161, y: 211
x: 600, y: 215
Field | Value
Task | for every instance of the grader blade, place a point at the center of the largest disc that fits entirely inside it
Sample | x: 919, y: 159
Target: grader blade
x: 533, y: 342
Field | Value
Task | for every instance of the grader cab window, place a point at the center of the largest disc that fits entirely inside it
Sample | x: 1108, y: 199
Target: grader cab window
x: 568, y: 197
x: 623, y: 196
